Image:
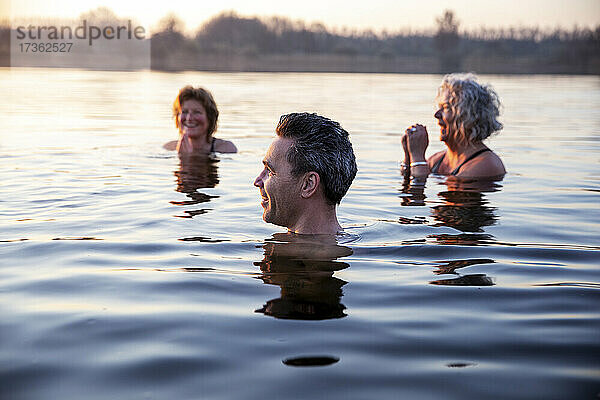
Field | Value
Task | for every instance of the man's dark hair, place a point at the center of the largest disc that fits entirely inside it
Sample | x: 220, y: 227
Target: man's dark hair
x: 323, y: 146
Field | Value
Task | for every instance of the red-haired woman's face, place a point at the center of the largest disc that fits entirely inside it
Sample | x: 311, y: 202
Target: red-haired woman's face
x: 192, y: 119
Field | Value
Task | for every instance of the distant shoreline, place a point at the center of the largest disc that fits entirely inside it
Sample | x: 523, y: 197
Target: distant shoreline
x: 315, y: 71
x: 315, y: 63
x: 324, y: 63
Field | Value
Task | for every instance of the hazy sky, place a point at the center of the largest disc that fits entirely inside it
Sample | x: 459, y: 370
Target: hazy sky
x: 391, y: 15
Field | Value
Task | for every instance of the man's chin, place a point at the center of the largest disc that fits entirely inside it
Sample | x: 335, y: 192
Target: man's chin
x: 267, y: 217
x: 270, y: 219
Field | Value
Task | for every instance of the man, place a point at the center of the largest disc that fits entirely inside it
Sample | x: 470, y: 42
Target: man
x: 308, y: 169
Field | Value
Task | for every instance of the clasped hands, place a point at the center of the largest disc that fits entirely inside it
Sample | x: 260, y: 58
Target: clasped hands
x: 414, y: 143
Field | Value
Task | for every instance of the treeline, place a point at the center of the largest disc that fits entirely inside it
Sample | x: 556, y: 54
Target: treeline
x: 235, y: 43
x: 230, y: 33
x: 229, y: 42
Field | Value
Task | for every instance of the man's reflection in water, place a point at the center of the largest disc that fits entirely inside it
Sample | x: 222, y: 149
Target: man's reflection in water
x: 303, y: 266
x: 195, y: 172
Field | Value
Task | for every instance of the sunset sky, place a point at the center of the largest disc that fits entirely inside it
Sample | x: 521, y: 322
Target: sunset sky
x: 391, y: 15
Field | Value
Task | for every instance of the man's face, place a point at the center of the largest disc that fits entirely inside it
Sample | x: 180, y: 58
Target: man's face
x: 279, y: 189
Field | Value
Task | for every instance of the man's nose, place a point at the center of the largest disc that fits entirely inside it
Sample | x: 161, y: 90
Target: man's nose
x: 258, y: 182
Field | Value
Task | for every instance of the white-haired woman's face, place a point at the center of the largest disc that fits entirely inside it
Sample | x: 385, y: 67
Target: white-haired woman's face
x: 445, y: 118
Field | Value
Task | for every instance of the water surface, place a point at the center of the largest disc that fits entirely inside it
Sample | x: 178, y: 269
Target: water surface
x: 129, y: 273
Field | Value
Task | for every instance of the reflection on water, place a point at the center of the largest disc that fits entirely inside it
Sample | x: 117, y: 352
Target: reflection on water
x: 303, y: 266
x: 463, y: 239
x: 195, y: 172
x: 450, y: 267
x: 202, y: 239
x: 467, y: 211
x: 463, y: 206
x: 412, y: 194
x: 314, y: 361
x: 466, y: 280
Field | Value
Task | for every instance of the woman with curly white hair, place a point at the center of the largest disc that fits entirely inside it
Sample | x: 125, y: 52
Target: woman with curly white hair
x: 467, y: 115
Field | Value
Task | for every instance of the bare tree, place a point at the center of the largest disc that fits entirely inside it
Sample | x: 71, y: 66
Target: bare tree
x: 447, y: 42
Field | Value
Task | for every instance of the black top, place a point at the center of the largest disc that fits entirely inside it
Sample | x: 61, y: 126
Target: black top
x: 472, y: 156
x: 212, y: 146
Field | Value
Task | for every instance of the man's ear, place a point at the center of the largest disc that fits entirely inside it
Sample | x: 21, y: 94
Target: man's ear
x: 310, y: 184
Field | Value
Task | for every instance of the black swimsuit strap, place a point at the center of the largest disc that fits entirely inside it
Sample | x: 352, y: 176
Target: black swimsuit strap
x: 472, y: 156
x: 436, y: 166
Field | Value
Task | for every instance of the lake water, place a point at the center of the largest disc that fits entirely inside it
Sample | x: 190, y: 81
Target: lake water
x: 127, y: 273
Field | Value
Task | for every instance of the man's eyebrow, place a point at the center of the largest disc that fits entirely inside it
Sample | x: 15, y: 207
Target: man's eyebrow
x: 267, y: 164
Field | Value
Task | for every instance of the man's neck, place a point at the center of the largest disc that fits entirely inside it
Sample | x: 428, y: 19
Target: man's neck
x: 317, y: 220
